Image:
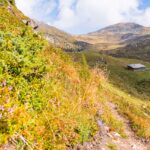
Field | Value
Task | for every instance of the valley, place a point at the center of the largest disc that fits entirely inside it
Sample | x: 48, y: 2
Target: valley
x: 126, y: 40
x: 112, y: 49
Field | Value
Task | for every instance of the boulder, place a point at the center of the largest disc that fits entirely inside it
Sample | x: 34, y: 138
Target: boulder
x: 30, y: 23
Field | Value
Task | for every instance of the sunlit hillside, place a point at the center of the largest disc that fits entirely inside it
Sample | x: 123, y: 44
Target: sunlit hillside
x: 48, y: 101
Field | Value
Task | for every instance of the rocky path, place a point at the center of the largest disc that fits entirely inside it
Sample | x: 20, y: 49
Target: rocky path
x: 107, y: 140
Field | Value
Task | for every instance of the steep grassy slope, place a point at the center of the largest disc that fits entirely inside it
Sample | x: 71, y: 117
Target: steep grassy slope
x: 46, y: 100
x: 129, y: 90
x: 137, y: 83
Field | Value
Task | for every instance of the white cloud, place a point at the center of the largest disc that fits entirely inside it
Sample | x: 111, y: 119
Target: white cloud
x: 81, y: 16
x: 37, y: 9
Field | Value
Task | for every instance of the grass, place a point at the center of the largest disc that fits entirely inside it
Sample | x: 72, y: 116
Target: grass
x: 137, y: 83
x: 135, y: 110
x: 112, y: 146
x: 46, y: 100
x: 128, y: 90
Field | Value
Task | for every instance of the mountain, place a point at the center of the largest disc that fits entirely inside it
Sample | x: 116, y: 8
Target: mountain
x: 138, y: 48
x: 108, y: 40
x: 60, y: 38
x: 116, y: 33
x: 122, y: 39
x: 120, y: 28
x: 57, y: 37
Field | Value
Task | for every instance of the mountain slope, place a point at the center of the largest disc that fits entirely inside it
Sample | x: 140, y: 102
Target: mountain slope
x: 122, y: 40
x: 137, y: 49
x: 59, y: 38
x: 121, y: 28
x: 47, y: 101
x: 129, y: 88
x: 111, y: 40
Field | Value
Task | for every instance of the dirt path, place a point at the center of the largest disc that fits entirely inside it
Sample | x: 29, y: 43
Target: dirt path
x: 106, y: 140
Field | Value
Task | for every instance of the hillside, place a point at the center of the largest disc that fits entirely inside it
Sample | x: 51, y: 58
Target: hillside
x: 138, y: 48
x: 137, y: 83
x: 43, y: 94
x: 121, y: 28
x: 48, y: 101
x: 130, y: 88
x: 121, y: 38
x: 128, y: 40
x: 58, y: 37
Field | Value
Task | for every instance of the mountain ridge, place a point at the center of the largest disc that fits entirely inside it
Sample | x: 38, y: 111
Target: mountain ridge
x: 128, y: 27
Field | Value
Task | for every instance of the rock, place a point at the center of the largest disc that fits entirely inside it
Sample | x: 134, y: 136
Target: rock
x: 109, y: 135
x: 100, y: 123
x: 117, y: 134
x: 107, y: 129
x: 8, y: 146
x: 134, y: 147
x: 31, y: 23
x: 25, y: 21
x: 78, y: 147
x: 145, y: 140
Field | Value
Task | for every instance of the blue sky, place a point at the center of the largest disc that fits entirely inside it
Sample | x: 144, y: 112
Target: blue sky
x: 83, y: 16
x: 145, y: 3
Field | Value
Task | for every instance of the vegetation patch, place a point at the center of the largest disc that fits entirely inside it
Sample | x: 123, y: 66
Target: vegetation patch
x: 127, y: 89
x: 46, y: 100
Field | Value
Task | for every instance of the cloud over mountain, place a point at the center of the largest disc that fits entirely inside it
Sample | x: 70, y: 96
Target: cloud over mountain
x: 81, y: 16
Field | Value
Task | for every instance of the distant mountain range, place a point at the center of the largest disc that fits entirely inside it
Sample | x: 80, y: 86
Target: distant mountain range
x: 121, y: 40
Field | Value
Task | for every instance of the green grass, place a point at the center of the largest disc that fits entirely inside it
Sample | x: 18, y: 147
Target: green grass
x: 132, y: 82
x: 112, y: 146
x: 46, y: 100
x: 127, y: 89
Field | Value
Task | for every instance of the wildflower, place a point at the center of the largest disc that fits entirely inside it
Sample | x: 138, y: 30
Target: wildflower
x: 10, y: 88
x: 4, y: 83
x: 11, y: 110
x: 1, y: 108
x: 7, y: 100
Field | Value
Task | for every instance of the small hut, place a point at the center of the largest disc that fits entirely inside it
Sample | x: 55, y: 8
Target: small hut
x: 136, y: 67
